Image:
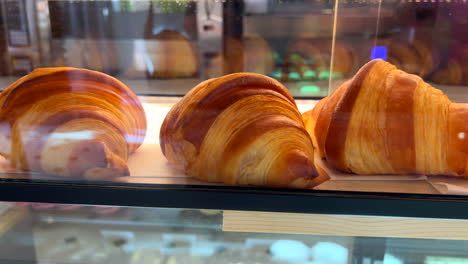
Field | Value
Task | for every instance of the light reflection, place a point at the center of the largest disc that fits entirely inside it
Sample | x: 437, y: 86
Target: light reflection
x: 390, y: 259
x: 289, y: 251
x: 77, y: 135
x: 330, y: 253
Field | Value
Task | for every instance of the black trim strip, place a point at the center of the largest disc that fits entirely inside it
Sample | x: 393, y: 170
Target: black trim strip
x: 238, y: 198
x: 181, y: 95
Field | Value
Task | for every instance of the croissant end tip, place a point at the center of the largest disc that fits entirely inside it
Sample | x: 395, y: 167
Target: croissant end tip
x: 301, y: 171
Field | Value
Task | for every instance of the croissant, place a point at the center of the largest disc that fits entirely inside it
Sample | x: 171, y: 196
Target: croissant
x: 404, y: 56
x: 258, y: 55
x: 417, y: 57
x: 346, y: 60
x: 386, y: 121
x: 240, y: 129
x: 171, y: 55
x: 70, y: 122
x: 302, y: 56
x: 252, y: 54
x: 452, y: 74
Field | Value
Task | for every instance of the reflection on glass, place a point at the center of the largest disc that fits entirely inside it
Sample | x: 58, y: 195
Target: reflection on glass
x: 59, y: 233
x: 75, y: 124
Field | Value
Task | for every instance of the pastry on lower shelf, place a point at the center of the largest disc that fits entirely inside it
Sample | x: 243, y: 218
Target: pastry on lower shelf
x: 386, y: 121
x: 464, y: 65
x: 99, y: 55
x: 252, y: 54
x: 455, y: 69
x: 346, y: 61
x: 429, y: 58
x: 403, y: 56
x: 215, y: 66
x: 169, y: 54
x: 240, y: 129
x: 91, y: 54
x: 70, y: 122
x: 258, y: 56
x: 303, y: 56
x: 451, y: 74
x: 415, y: 57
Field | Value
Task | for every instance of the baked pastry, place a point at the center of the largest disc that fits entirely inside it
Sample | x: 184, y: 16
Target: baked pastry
x: 252, y: 54
x: 232, y: 59
x: 92, y: 54
x: 386, y: 121
x: 70, y: 122
x: 415, y: 57
x: 452, y: 74
x: 464, y: 65
x: 170, y: 55
x: 100, y: 55
x: 429, y: 58
x: 258, y: 56
x: 403, y: 56
x: 304, y: 55
x: 346, y: 60
x: 240, y: 129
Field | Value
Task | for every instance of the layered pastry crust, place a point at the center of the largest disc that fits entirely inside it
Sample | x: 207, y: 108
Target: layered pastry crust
x: 386, y: 121
x: 240, y: 129
x: 70, y: 122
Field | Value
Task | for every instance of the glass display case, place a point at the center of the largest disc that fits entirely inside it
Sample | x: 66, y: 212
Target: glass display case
x: 58, y: 233
x: 233, y: 131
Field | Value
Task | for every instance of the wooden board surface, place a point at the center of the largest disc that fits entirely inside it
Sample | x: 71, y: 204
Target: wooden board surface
x: 344, y: 225
x: 10, y: 218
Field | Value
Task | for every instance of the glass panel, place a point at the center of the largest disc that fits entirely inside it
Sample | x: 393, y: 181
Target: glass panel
x: 426, y: 38
x: 106, y: 123
x: 58, y: 233
x: 166, y: 47
x: 115, y: 123
x: 396, y: 124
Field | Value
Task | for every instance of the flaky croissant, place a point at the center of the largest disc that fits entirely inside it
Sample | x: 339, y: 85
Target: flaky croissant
x: 452, y: 74
x: 171, y: 55
x: 240, y: 129
x: 416, y: 57
x: 70, y: 122
x: 385, y: 121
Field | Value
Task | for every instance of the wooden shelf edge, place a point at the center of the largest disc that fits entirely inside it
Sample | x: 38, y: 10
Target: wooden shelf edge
x: 11, y: 218
x: 344, y: 225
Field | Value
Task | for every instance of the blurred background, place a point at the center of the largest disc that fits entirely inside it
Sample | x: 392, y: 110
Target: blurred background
x: 165, y: 47
x: 60, y: 233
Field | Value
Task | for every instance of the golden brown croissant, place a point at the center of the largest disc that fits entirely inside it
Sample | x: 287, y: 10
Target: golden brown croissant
x: 346, y: 60
x: 386, y: 121
x: 252, y: 54
x: 258, y: 55
x: 70, y: 122
x: 415, y: 57
x: 452, y: 74
x: 240, y: 129
x: 316, y: 55
x: 171, y: 55
x: 302, y: 56
x: 404, y: 56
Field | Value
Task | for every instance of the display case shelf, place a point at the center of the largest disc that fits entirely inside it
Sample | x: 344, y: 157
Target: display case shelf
x: 236, y: 198
x: 154, y: 184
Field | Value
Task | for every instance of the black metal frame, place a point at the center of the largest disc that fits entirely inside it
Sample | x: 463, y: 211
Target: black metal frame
x: 236, y: 198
